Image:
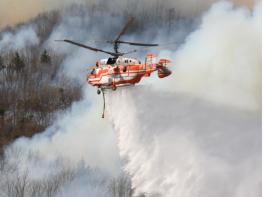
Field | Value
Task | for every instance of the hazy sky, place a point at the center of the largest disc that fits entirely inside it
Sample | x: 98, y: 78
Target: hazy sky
x: 15, y: 11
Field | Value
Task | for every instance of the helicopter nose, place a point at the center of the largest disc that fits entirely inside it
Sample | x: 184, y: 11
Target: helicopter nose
x: 89, y: 78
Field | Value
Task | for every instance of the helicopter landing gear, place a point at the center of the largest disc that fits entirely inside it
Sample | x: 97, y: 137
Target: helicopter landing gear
x: 98, y: 91
x: 114, y: 87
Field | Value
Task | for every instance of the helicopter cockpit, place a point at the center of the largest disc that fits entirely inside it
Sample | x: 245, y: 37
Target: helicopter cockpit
x: 117, y: 61
x: 92, y: 72
x: 112, y: 60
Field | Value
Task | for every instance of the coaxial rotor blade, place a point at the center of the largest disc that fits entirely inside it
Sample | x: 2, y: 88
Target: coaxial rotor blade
x: 137, y: 43
x: 124, y: 29
x: 88, y: 47
x: 159, y: 46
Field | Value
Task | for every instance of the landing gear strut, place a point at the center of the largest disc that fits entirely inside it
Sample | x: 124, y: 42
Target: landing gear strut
x: 114, y: 87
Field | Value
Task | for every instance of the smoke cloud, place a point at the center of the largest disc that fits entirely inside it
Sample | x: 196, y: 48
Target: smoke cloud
x: 15, y: 11
x: 24, y: 37
x: 78, y: 136
x: 221, y: 60
x: 78, y: 154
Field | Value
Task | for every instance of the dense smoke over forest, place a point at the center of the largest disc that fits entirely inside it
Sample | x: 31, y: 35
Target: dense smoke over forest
x: 186, y: 135
x: 13, y: 11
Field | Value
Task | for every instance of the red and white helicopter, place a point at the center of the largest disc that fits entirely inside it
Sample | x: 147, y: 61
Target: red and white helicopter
x: 117, y: 71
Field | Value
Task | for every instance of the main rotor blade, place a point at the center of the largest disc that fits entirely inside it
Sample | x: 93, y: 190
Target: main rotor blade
x: 88, y: 47
x: 137, y: 43
x: 124, y: 29
x: 159, y: 46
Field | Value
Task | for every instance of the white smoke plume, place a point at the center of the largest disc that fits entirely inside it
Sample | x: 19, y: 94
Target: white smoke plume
x: 24, y: 37
x: 78, y: 136
x: 221, y: 60
x: 202, y: 136
x: 79, y: 151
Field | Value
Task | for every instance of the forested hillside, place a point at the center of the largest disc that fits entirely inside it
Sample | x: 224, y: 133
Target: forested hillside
x: 31, y: 91
x: 40, y: 79
x: 33, y: 88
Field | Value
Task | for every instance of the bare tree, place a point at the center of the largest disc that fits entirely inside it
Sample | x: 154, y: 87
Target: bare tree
x: 121, y: 187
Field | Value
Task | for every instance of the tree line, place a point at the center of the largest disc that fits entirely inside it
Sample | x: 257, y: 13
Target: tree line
x: 17, y: 180
x: 31, y: 93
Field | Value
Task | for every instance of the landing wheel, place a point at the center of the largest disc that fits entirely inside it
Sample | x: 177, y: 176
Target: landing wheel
x: 98, y: 91
x: 114, y: 87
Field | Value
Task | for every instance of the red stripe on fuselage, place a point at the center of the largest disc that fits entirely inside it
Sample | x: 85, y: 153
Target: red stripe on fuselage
x: 118, y: 71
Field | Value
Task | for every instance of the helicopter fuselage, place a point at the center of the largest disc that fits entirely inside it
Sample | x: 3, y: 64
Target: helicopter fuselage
x: 124, y: 71
x: 118, y: 70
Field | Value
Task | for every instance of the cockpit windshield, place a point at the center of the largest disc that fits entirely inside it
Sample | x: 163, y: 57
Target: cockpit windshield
x: 111, y: 60
x: 92, y: 72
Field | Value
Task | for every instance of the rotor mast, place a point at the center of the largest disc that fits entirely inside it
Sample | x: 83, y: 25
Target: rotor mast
x: 123, y: 31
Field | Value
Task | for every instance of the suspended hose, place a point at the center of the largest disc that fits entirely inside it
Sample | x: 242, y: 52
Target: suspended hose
x: 103, y: 95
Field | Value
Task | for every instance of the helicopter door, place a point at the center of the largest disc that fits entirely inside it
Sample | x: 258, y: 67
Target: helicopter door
x: 126, y: 67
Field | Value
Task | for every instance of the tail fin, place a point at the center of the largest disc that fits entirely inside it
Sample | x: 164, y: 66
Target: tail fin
x: 163, y: 71
x: 150, y: 59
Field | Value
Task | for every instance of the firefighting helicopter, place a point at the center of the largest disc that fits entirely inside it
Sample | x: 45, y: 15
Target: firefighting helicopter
x: 117, y: 70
